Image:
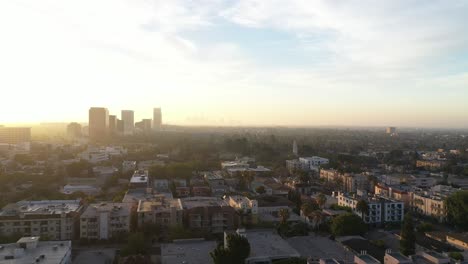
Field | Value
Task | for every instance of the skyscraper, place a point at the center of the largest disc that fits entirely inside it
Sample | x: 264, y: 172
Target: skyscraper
x: 112, y: 124
x: 98, y: 123
x: 15, y: 135
x: 128, y: 121
x: 74, y: 130
x: 157, y: 118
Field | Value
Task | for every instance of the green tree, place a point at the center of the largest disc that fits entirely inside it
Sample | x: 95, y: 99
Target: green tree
x: 221, y: 255
x: 408, y: 237
x: 136, y: 245
x: 363, y: 207
x: 306, y: 209
x: 457, y: 209
x: 348, y: 225
x: 235, y: 252
x: 321, y: 200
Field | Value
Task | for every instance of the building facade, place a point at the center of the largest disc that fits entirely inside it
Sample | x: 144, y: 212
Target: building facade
x: 105, y: 220
x: 56, y: 219
x: 98, y: 123
x: 128, y: 119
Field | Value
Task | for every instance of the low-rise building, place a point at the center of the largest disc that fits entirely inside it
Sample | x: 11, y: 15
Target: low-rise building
x: 139, y: 180
x: 159, y: 210
x: 128, y: 166
x: 432, y: 202
x: 458, y: 240
x: 86, y: 189
x: 329, y: 174
x: 398, y: 192
x: 54, y: 219
x: 396, y: 258
x: 266, y: 246
x: 209, y: 213
x: 201, y: 190
x: 105, y: 220
x: 30, y: 250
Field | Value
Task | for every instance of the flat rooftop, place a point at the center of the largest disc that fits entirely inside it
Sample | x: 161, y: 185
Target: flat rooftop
x: 193, y: 202
x: 53, y: 251
x: 121, y: 209
x: 268, y: 244
x: 41, y: 207
x: 317, y: 247
x: 187, y: 251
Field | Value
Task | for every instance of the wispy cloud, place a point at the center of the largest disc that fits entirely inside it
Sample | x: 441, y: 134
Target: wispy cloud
x: 361, y: 54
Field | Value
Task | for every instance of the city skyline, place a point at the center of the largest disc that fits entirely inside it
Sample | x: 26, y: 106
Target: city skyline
x: 249, y: 62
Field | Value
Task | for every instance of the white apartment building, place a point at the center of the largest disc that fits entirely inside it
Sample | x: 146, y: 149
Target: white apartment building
x: 306, y: 163
x: 30, y: 250
x: 105, y: 220
x: 50, y: 219
x: 381, y: 210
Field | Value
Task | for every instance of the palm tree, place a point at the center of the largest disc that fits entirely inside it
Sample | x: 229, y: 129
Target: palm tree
x: 363, y: 207
x: 321, y: 200
x: 306, y: 209
x: 284, y: 214
x: 317, y: 218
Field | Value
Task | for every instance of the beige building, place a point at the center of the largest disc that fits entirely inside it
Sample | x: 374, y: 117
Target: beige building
x: 432, y: 202
x: 161, y: 211
x: 98, y: 123
x: 458, y: 240
x: 54, y: 219
x: 105, y: 220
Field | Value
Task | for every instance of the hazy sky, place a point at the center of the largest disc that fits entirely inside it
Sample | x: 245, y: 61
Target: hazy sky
x: 301, y: 62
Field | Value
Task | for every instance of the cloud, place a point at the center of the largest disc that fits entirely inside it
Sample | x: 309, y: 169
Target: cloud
x: 148, y: 52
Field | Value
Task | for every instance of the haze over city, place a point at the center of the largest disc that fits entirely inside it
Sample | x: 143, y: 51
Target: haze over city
x: 248, y: 62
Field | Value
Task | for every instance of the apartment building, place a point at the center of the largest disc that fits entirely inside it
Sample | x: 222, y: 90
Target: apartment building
x: 55, y: 219
x: 208, y: 213
x: 246, y: 208
x: 381, y: 210
x: 329, y: 174
x: 398, y: 192
x: 139, y: 180
x: 105, y: 220
x: 432, y: 202
x: 159, y: 210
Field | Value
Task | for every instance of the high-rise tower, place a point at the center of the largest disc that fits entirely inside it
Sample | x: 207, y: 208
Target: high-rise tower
x: 157, y: 118
x: 98, y: 123
x: 128, y: 121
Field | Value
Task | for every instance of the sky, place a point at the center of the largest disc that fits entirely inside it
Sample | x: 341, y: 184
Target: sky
x: 245, y: 62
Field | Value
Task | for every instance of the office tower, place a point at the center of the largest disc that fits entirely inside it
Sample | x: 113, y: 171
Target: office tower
x: 98, y: 123
x: 74, y: 130
x: 144, y: 125
x: 120, y: 127
x: 157, y: 118
x: 128, y: 121
x: 295, y: 150
x: 391, y: 130
x: 15, y: 135
x: 112, y: 124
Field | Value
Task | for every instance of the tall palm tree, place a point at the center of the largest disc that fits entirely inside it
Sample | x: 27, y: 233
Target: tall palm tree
x: 306, y: 209
x: 284, y: 214
x: 321, y: 200
x: 317, y: 218
x: 363, y: 207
